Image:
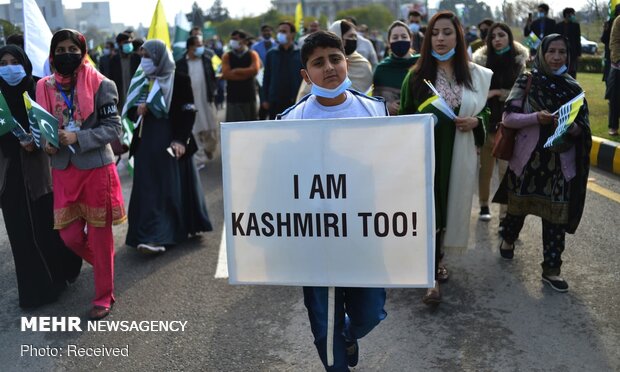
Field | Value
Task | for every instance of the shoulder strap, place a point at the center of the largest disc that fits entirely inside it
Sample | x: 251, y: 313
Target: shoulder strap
x: 528, y: 86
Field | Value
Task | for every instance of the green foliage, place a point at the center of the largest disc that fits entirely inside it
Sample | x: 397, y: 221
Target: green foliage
x: 375, y: 16
x: 9, y: 28
x: 594, y: 87
x: 472, y: 13
x: 251, y: 24
x: 590, y: 64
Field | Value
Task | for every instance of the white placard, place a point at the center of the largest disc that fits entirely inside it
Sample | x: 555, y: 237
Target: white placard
x: 346, y: 202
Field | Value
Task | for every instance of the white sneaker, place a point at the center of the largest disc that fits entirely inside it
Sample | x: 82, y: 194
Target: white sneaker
x: 151, y: 248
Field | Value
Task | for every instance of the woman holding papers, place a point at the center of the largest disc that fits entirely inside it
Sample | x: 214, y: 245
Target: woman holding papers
x: 42, y: 262
x: 506, y: 58
x: 547, y: 182
x: 167, y: 202
x: 443, y: 82
x: 87, y: 190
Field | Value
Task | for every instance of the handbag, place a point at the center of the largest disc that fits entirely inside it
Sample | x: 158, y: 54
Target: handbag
x: 505, y: 137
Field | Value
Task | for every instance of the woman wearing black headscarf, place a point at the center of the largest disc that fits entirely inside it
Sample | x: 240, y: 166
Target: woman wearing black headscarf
x: 42, y: 262
x: 546, y: 182
x: 167, y: 202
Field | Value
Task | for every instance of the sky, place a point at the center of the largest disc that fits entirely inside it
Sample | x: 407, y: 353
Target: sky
x: 132, y: 12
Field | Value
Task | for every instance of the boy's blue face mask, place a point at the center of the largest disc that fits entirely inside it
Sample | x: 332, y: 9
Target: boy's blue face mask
x: 330, y: 93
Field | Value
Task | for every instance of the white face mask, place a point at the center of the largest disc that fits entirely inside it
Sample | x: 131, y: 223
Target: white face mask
x: 234, y: 44
x: 148, y: 66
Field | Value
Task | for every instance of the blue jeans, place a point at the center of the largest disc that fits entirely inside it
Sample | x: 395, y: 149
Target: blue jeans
x: 358, y: 311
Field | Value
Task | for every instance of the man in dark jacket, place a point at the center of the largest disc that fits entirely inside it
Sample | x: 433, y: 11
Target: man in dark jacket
x: 542, y: 26
x: 123, y: 65
x: 282, y: 72
x: 197, y: 64
x: 571, y: 30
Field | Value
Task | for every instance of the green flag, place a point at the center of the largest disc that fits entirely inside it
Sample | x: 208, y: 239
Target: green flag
x: 181, y: 34
x: 42, y: 123
x: 7, y: 123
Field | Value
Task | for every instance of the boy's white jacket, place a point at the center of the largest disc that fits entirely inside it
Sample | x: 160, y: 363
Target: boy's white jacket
x: 375, y: 105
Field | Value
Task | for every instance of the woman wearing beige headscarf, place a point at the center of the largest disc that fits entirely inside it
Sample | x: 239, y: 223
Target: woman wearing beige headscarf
x: 359, y: 69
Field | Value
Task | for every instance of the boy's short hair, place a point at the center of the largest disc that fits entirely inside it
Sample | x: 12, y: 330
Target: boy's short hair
x: 191, y: 40
x: 265, y: 27
x: 319, y: 39
x: 544, y: 7
x: 487, y: 21
x: 290, y: 25
x: 240, y: 33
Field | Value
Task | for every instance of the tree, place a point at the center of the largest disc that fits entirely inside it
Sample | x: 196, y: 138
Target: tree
x: 217, y: 12
x: 473, y: 11
x: 498, y: 14
x: 197, y: 16
x: 375, y: 16
x: 9, y: 28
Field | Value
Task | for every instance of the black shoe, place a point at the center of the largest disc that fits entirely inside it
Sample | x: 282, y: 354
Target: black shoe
x: 353, y: 353
x: 555, y: 282
x: 507, y: 251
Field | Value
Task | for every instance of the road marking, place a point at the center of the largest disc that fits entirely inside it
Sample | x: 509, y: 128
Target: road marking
x: 603, y: 191
x: 221, y: 272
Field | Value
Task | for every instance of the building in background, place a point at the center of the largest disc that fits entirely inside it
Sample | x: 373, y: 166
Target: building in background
x: 90, y: 15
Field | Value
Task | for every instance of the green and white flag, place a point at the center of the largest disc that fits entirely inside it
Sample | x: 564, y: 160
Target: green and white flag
x: 42, y: 123
x: 532, y: 41
x: 7, y: 123
x: 182, y: 28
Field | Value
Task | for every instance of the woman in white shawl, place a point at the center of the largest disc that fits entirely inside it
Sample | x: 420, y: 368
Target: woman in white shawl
x: 464, y: 86
x: 359, y: 69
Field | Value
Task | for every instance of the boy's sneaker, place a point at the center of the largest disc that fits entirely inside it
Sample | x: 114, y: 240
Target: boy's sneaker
x: 353, y: 352
x: 485, y: 214
x: 555, y: 282
x: 613, y: 132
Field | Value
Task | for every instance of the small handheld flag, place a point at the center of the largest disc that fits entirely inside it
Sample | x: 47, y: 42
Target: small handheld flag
x: 532, y: 41
x: 568, y: 113
x: 42, y: 123
x: 438, y: 102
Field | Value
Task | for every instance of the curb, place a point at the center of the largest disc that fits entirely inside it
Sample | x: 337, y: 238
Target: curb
x: 605, y: 155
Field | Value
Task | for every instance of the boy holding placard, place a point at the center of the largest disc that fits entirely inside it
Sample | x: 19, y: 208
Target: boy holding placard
x: 356, y: 311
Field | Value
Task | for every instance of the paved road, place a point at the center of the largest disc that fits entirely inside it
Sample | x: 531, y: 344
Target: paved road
x: 496, y: 315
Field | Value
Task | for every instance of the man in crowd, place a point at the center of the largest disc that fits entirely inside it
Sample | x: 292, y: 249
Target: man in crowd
x: 613, y: 81
x: 570, y: 28
x: 239, y: 67
x: 313, y: 27
x: 264, y: 45
x: 282, y: 79
x: 197, y: 64
x: 104, y: 61
x: 541, y: 27
x: 415, y: 22
x: 483, y: 30
x: 123, y: 65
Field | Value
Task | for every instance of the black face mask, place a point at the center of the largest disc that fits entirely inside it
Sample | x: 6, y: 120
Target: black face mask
x: 350, y: 46
x: 483, y: 34
x: 67, y: 63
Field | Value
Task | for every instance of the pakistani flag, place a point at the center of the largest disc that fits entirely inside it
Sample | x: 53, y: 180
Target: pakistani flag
x: 42, y: 123
x: 567, y: 115
x: 532, y: 41
x: 436, y: 105
x: 7, y: 123
x: 181, y: 34
x: 138, y: 87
